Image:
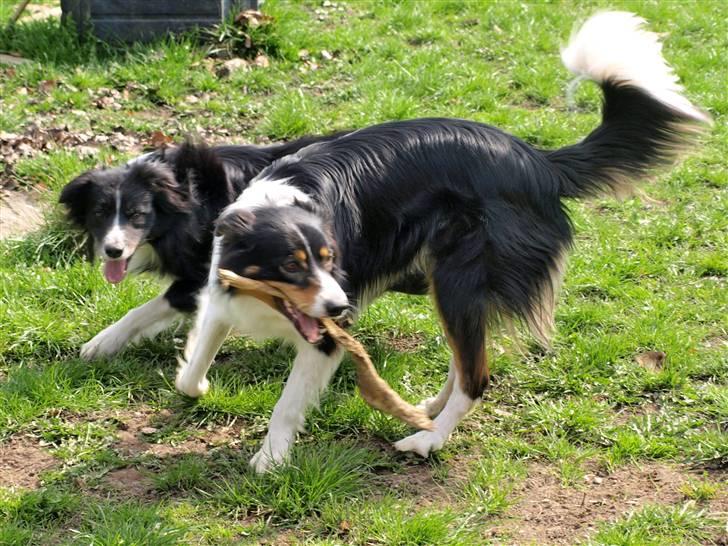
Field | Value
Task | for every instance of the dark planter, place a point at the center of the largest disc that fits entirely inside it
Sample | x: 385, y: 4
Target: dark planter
x: 144, y: 20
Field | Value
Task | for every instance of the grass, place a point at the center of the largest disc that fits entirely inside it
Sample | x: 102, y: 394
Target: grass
x: 644, y: 275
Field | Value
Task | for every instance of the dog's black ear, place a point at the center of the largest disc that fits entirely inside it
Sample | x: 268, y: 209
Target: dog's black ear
x: 198, y: 164
x: 170, y: 195
x: 234, y: 223
x: 75, y: 195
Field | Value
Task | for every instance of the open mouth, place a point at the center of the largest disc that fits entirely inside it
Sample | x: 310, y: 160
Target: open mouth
x: 310, y: 328
x: 115, y: 270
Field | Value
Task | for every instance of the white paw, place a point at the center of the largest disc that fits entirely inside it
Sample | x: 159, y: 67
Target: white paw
x: 422, y: 443
x: 430, y: 406
x: 103, y: 344
x: 264, y: 460
x: 192, y: 387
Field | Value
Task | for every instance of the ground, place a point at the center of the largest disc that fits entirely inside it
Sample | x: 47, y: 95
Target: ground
x: 617, y: 435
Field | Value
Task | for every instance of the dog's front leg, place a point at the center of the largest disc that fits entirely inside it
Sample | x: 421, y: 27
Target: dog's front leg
x: 311, y: 373
x: 144, y: 321
x: 203, y: 342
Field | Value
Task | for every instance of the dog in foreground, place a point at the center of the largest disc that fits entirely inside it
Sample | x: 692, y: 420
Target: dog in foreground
x: 156, y: 214
x: 457, y: 208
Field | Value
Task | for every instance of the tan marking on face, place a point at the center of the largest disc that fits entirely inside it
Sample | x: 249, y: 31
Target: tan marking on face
x: 251, y: 270
x: 300, y: 255
x: 303, y: 298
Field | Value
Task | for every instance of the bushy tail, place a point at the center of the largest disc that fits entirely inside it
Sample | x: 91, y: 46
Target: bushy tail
x: 646, y: 120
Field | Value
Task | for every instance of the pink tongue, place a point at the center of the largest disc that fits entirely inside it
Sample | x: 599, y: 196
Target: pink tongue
x: 115, y: 270
x: 309, y: 328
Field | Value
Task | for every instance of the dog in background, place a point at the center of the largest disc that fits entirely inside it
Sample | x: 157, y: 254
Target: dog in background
x: 156, y: 214
x: 460, y: 209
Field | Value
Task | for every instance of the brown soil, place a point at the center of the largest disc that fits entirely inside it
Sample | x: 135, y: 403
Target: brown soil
x: 406, y: 343
x: 134, y: 438
x: 127, y: 482
x: 549, y: 513
x: 22, y: 461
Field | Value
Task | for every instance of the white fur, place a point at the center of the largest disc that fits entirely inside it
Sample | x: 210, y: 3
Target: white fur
x: 311, y: 373
x: 433, y: 406
x: 264, y: 192
x: 312, y: 370
x: 143, y: 322
x: 330, y: 293
x: 115, y: 236
x: 458, y: 405
x: 203, y: 342
x: 140, y: 159
x: 145, y: 258
x: 613, y: 45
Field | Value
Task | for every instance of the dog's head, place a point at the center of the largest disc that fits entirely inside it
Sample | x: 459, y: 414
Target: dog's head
x: 293, y: 250
x: 124, y: 207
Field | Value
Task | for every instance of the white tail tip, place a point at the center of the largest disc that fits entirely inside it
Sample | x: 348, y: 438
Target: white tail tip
x: 613, y: 45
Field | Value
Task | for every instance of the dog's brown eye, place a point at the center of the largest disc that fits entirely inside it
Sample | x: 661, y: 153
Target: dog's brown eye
x: 292, y: 267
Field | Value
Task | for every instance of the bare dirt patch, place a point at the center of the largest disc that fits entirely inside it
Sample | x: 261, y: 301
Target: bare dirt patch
x: 20, y: 213
x: 406, y: 343
x: 137, y: 430
x: 550, y: 513
x: 127, y: 482
x: 22, y: 461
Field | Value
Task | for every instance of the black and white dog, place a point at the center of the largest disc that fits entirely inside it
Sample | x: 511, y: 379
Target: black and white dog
x: 156, y: 214
x: 455, y: 207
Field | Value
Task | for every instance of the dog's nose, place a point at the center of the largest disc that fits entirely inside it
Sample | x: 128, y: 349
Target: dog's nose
x: 113, y: 252
x: 335, y: 310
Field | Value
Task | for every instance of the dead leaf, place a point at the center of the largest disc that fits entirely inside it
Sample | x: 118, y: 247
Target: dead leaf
x: 651, y: 360
x: 232, y: 66
x: 159, y: 140
x: 251, y: 18
x: 261, y: 61
x: 46, y: 86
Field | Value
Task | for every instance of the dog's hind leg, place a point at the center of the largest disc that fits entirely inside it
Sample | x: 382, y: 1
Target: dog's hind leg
x: 203, y: 342
x: 143, y: 322
x: 460, y: 297
x: 311, y: 373
x: 433, y: 406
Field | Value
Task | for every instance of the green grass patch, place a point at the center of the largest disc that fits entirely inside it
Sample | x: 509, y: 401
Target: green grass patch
x: 643, y: 276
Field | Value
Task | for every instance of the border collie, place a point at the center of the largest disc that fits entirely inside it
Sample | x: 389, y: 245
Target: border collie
x: 156, y: 214
x: 457, y: 208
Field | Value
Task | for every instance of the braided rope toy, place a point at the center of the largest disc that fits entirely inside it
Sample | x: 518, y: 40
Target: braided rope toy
x: 373, y: 389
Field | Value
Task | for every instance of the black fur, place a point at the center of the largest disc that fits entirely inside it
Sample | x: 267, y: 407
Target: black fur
x: 467, y: 210
x: 185, y: 187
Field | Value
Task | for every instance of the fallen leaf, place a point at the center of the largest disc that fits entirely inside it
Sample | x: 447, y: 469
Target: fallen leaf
x: 46, y: 86
x: 232, y: 66
x: 159, y: 140
x: 651, y: 360
x: 261, y: 61
x: 251, y: 18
